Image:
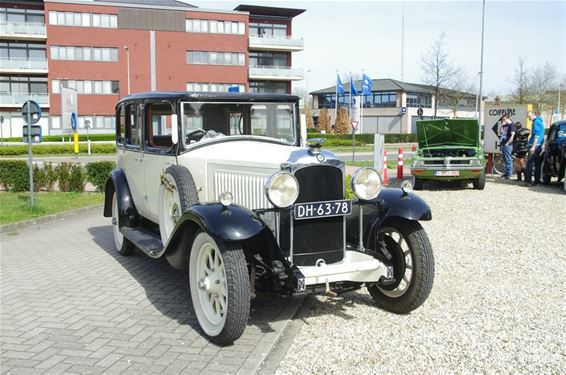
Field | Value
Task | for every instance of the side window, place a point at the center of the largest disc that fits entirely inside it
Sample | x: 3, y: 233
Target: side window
x: 133, y: 125
x: 120, y: 125
x: 159, y: 125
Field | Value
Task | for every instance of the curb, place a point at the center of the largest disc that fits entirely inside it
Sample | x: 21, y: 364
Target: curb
x: 7, y: 228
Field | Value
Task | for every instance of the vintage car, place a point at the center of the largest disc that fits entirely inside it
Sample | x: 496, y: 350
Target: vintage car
x: 554, y: 155
x: 449, y: 149
x: 223, y: 186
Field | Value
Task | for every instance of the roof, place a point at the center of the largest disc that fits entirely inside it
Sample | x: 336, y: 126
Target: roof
x: 270, y: 11
x: 385, y: 84
x: 212, y: 96
x: 163, y: 3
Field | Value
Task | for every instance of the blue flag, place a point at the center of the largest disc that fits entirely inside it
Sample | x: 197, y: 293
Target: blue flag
x: 366, y: 85
x: 353, y: 87
x: 339, y: 86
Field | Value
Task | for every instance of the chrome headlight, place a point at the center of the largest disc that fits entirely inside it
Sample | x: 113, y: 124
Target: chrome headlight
x: 418, y: 163
x: 366, y: 183
x: 475, y: 163
x: 282, y: 189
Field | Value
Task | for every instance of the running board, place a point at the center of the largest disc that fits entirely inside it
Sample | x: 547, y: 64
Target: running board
x: 145, y: 240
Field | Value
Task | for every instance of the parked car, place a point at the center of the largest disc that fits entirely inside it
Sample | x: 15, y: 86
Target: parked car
x: 448, y: 150
x: 224, y: 187
x: 554, y: 155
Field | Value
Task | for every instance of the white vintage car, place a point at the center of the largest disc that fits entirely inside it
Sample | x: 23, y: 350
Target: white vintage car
x: 223, y: 186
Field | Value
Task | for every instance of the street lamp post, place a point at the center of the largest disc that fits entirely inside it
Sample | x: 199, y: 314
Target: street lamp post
x: 481, y: 69
x: 307, y: 89
x: 128, y: 66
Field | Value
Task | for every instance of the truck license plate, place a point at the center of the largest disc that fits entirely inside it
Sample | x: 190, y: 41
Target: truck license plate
x: 312, y: 210
x: 447, y: 173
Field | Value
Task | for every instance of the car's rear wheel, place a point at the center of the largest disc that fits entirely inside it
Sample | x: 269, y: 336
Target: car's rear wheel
x: 410, y: 254
x: 220, y: 288
x: 123, y: 245
x: 176, y: 193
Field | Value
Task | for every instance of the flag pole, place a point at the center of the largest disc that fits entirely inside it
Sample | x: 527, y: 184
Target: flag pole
x: 336, y: 106
x: 362, y: 105
x: 350, y: 113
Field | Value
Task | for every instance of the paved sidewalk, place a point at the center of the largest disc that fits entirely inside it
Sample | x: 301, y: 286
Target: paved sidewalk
x: 71, y: 304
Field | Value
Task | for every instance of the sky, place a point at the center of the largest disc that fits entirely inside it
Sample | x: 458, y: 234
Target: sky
x: 366, y: 35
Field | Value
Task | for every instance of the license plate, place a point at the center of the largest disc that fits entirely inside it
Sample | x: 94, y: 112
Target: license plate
x: 447, y: 173
x: 312, y: 210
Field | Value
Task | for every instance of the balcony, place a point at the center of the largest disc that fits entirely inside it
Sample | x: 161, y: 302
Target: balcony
x: 275, y: 43
x: 18, y: 100
x: 276, y: 73
x: 26, y: 66
x: 23, y: 31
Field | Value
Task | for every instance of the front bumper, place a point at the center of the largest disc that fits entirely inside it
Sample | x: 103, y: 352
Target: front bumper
x: 447, y: 169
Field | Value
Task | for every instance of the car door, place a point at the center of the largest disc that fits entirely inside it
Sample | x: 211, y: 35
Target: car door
x: 158, y: 151
x: 132, y: 155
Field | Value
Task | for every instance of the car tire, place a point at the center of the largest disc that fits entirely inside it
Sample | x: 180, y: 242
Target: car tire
x: 417, y: 183
x: 124, y: 246
x: 413, y: 267
x: 177, y: 192
x: 479, y: 183
x: 220, y: 288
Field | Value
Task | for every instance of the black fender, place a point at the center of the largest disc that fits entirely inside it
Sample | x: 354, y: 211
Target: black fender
x: 389, y: 203
x: 118, y: 183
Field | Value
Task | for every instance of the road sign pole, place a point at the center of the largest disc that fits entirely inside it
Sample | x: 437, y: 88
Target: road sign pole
x: 30, y: 159
x: 353, y: 144
x: 2, y: 129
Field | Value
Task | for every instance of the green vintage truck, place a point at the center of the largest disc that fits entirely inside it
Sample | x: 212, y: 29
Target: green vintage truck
x: 449, y: 149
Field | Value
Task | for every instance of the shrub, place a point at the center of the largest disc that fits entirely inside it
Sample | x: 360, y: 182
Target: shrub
x: 76, y: 178
x: 348, y: 193
x: 51, y: 176
x: 97, y: 173
x: 14, y: 175
x: 38, y: 178
x: 65, y: 149
x: 63, y: 172
x: 82, y: 138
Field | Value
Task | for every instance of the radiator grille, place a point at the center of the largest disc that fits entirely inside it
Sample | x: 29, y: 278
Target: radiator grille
x: 248, y: 188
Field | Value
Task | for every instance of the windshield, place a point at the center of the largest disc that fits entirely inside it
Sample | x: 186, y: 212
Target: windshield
x: 205, y: 120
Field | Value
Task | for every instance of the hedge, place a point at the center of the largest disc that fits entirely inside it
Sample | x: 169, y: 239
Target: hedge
x: 57, y: 138
x: 360, y: 138
x: 97, y: 173
x: 66, y: 149
x: 14, y: 175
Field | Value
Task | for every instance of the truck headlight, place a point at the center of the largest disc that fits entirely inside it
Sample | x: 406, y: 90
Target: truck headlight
x: 418, y: 163
x: 282, y: 189
x: 475, y: 163
x: 366, y: 183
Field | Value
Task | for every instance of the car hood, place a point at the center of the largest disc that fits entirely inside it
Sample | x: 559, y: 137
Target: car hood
x: 448, y: 132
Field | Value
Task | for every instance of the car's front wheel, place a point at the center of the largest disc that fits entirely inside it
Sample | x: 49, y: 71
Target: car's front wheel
x: 123, y: 245
x: 177, y: 192
x: 417, y: 183
x: 408, y: 250
x: 220, y: 288
x: 479, y: 183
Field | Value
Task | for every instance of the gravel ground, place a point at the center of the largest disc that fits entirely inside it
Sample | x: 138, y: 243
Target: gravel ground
x: 498, y: 302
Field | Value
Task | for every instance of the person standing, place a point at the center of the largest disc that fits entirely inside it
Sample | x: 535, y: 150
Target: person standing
x: 507, y: 135
x: 535, y: 149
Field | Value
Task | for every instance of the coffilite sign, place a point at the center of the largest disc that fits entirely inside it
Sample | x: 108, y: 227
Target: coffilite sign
x: 493, y: 113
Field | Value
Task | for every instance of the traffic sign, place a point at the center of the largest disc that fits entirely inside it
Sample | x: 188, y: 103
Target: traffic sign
x: 74, y: 120
x: 31, y: 112
x: 420, y: 112
x: 354, y: 124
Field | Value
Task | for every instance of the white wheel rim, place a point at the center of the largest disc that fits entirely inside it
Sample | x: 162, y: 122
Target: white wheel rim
x: 209, y: 286
x: 118, y: 236
x: 408, y: 275
x: 171, y: 208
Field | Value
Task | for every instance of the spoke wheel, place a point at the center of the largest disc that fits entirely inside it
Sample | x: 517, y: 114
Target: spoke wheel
x: 220, y: 288
x: 122, y: 244
x: 176, y: 193
x: 410, y: 255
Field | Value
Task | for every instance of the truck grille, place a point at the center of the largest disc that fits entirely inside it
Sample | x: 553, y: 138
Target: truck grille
x: 248, y: 189
x: 315, y: 239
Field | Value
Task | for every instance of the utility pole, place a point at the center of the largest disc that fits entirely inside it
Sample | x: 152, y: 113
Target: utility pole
x: 481, y: 69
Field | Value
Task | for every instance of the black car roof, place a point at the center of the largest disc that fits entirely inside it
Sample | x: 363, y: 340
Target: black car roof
x: 211, y: 96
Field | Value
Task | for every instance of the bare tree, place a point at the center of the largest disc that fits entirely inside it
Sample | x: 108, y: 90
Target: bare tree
x: 324, y: 120
x: 543, y: 80
x: 309, y: 119
x: 461, y: 92
x: 343, y: 121
x: 520, y: 81
x: 438, y: 69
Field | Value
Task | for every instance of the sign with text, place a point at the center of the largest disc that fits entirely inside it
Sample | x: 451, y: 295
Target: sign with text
x: 68, y: 107
x: 492, y: 115
x: 355, y: 115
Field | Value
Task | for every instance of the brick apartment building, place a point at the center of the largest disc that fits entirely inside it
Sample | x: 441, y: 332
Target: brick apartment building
x: 106, y: 49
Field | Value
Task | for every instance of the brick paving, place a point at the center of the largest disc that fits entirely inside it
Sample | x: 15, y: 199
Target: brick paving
x: 71, y: 304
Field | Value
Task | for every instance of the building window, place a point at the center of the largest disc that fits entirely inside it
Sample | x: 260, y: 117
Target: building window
x: 216, y: 58
x: 214, y: 87
x: 269, y: 59
x: 84, y: 53
x: 215, y: 27
x: 13, y: 15
x: 268, y: 30
x: 83, y: 19
x: 86, y: 87
x: 381, y: 99
x: 415, y: 99
x: 14, y: 85
x: 23, y: 51
x: 268, y: 86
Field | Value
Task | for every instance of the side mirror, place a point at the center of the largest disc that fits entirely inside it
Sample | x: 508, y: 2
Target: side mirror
x: 174, y: 128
